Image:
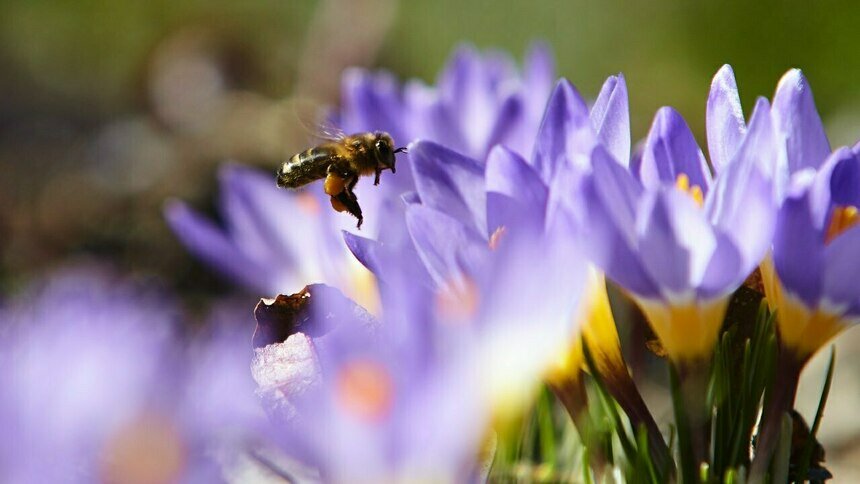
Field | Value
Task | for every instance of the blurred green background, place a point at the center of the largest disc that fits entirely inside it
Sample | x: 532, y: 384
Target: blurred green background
x: 108, y: 108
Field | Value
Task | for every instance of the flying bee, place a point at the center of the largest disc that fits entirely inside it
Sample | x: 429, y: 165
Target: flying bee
x: 341, y: 162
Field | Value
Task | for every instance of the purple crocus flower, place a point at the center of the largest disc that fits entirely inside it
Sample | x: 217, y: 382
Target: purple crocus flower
x: 816, y: 251
x: 95, y: 387
x: 816, y: 190
x: 413, y: 397
x: 678, y: 239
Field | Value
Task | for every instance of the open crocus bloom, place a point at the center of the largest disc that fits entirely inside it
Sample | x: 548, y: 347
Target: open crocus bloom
x: 816, y: 254
x: 679, y: 240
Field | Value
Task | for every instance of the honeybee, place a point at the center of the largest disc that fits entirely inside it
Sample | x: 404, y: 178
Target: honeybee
x: 341, y: 162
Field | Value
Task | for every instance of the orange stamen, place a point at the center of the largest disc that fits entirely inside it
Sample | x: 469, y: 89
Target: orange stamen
x: 842, y: 219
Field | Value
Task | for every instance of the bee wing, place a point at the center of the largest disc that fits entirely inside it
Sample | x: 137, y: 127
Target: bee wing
x: 328, y: 131
x: 317, y: 123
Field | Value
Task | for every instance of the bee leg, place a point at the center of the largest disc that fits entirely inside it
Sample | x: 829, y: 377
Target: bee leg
x: 376, y: 178
x: 351, y: 186
x: 349, y: 202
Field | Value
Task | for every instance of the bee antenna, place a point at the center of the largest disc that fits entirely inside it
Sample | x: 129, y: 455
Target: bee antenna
x: 402, y: 149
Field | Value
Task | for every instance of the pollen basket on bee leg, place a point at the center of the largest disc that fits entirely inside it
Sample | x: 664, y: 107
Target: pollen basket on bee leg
x: 334, y: 185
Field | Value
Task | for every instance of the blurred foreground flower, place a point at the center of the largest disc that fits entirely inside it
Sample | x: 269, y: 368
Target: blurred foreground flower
x: 412, y: 395
x: 97, y: 389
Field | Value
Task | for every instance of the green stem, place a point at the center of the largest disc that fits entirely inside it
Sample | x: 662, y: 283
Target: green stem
x: 778, y: 400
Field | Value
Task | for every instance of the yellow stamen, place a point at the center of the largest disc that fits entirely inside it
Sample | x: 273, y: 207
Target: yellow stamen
x: 365, y: 390
x: 687, y: 331
x: 695, y: 192
x: 842, y: 219
x: 149, y: 449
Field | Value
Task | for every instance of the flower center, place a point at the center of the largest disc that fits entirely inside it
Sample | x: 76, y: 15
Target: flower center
x: 842, y: 219
x: 695, y: 192
x: 365, y: 389
x: 458, y: 302
x: 147, y: 450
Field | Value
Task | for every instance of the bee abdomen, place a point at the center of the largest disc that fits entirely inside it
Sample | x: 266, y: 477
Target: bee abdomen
x: 305, y: 167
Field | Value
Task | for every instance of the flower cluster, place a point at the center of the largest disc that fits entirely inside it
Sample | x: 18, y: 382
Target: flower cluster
x: 480, y: 298
x: 491, y: 256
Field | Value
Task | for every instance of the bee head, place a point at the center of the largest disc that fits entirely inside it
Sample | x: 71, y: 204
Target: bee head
x: 385, y: 151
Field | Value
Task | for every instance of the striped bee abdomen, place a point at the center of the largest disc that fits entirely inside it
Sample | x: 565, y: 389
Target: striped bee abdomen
x: 306, y: 167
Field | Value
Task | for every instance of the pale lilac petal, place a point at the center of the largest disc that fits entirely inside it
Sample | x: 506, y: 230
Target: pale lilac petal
x: 372, y: 102
x: 566, y: 115
x: 539, y: 75
x: 450, y: 183
x: 618, y: 191
x: 675, y: 241
x: 611, y: 197
x: 514, y: 190
x: 441, y: 242
x: 509, y: 128
x: 724, y: 118
x: 726, y: 271
x: 798, y: 248
x: 841, y: 267
x: 798, y: 120
x: 209, y: 243
x: 467, y: 88
x: 742, y: 205
x: 610, y: 118
x: 671, y: 150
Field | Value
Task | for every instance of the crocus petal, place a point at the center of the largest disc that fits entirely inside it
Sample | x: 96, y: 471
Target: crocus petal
x: 515, y: 192
x: 466, y: 88
x: 566, y: 116
x: 508, y: 128
x: 724, y: 118
x: 610, y: 118
x: 618, y: 191
x: 844, y: 178
x: 841, y: 266
x: 798, y: 120
x: 798, y: 248
x: 726, y: 270
x: 538, y: 75
x: 441, y: 242
x: 450, y: 182
x: 372, y: 101
x: 670, y: 151
x: 208, y: 242
x: 611, y: 196
x: 365, y: 250
x: 742, y: 205
x: 675, y: 241
x: 262, y: 221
